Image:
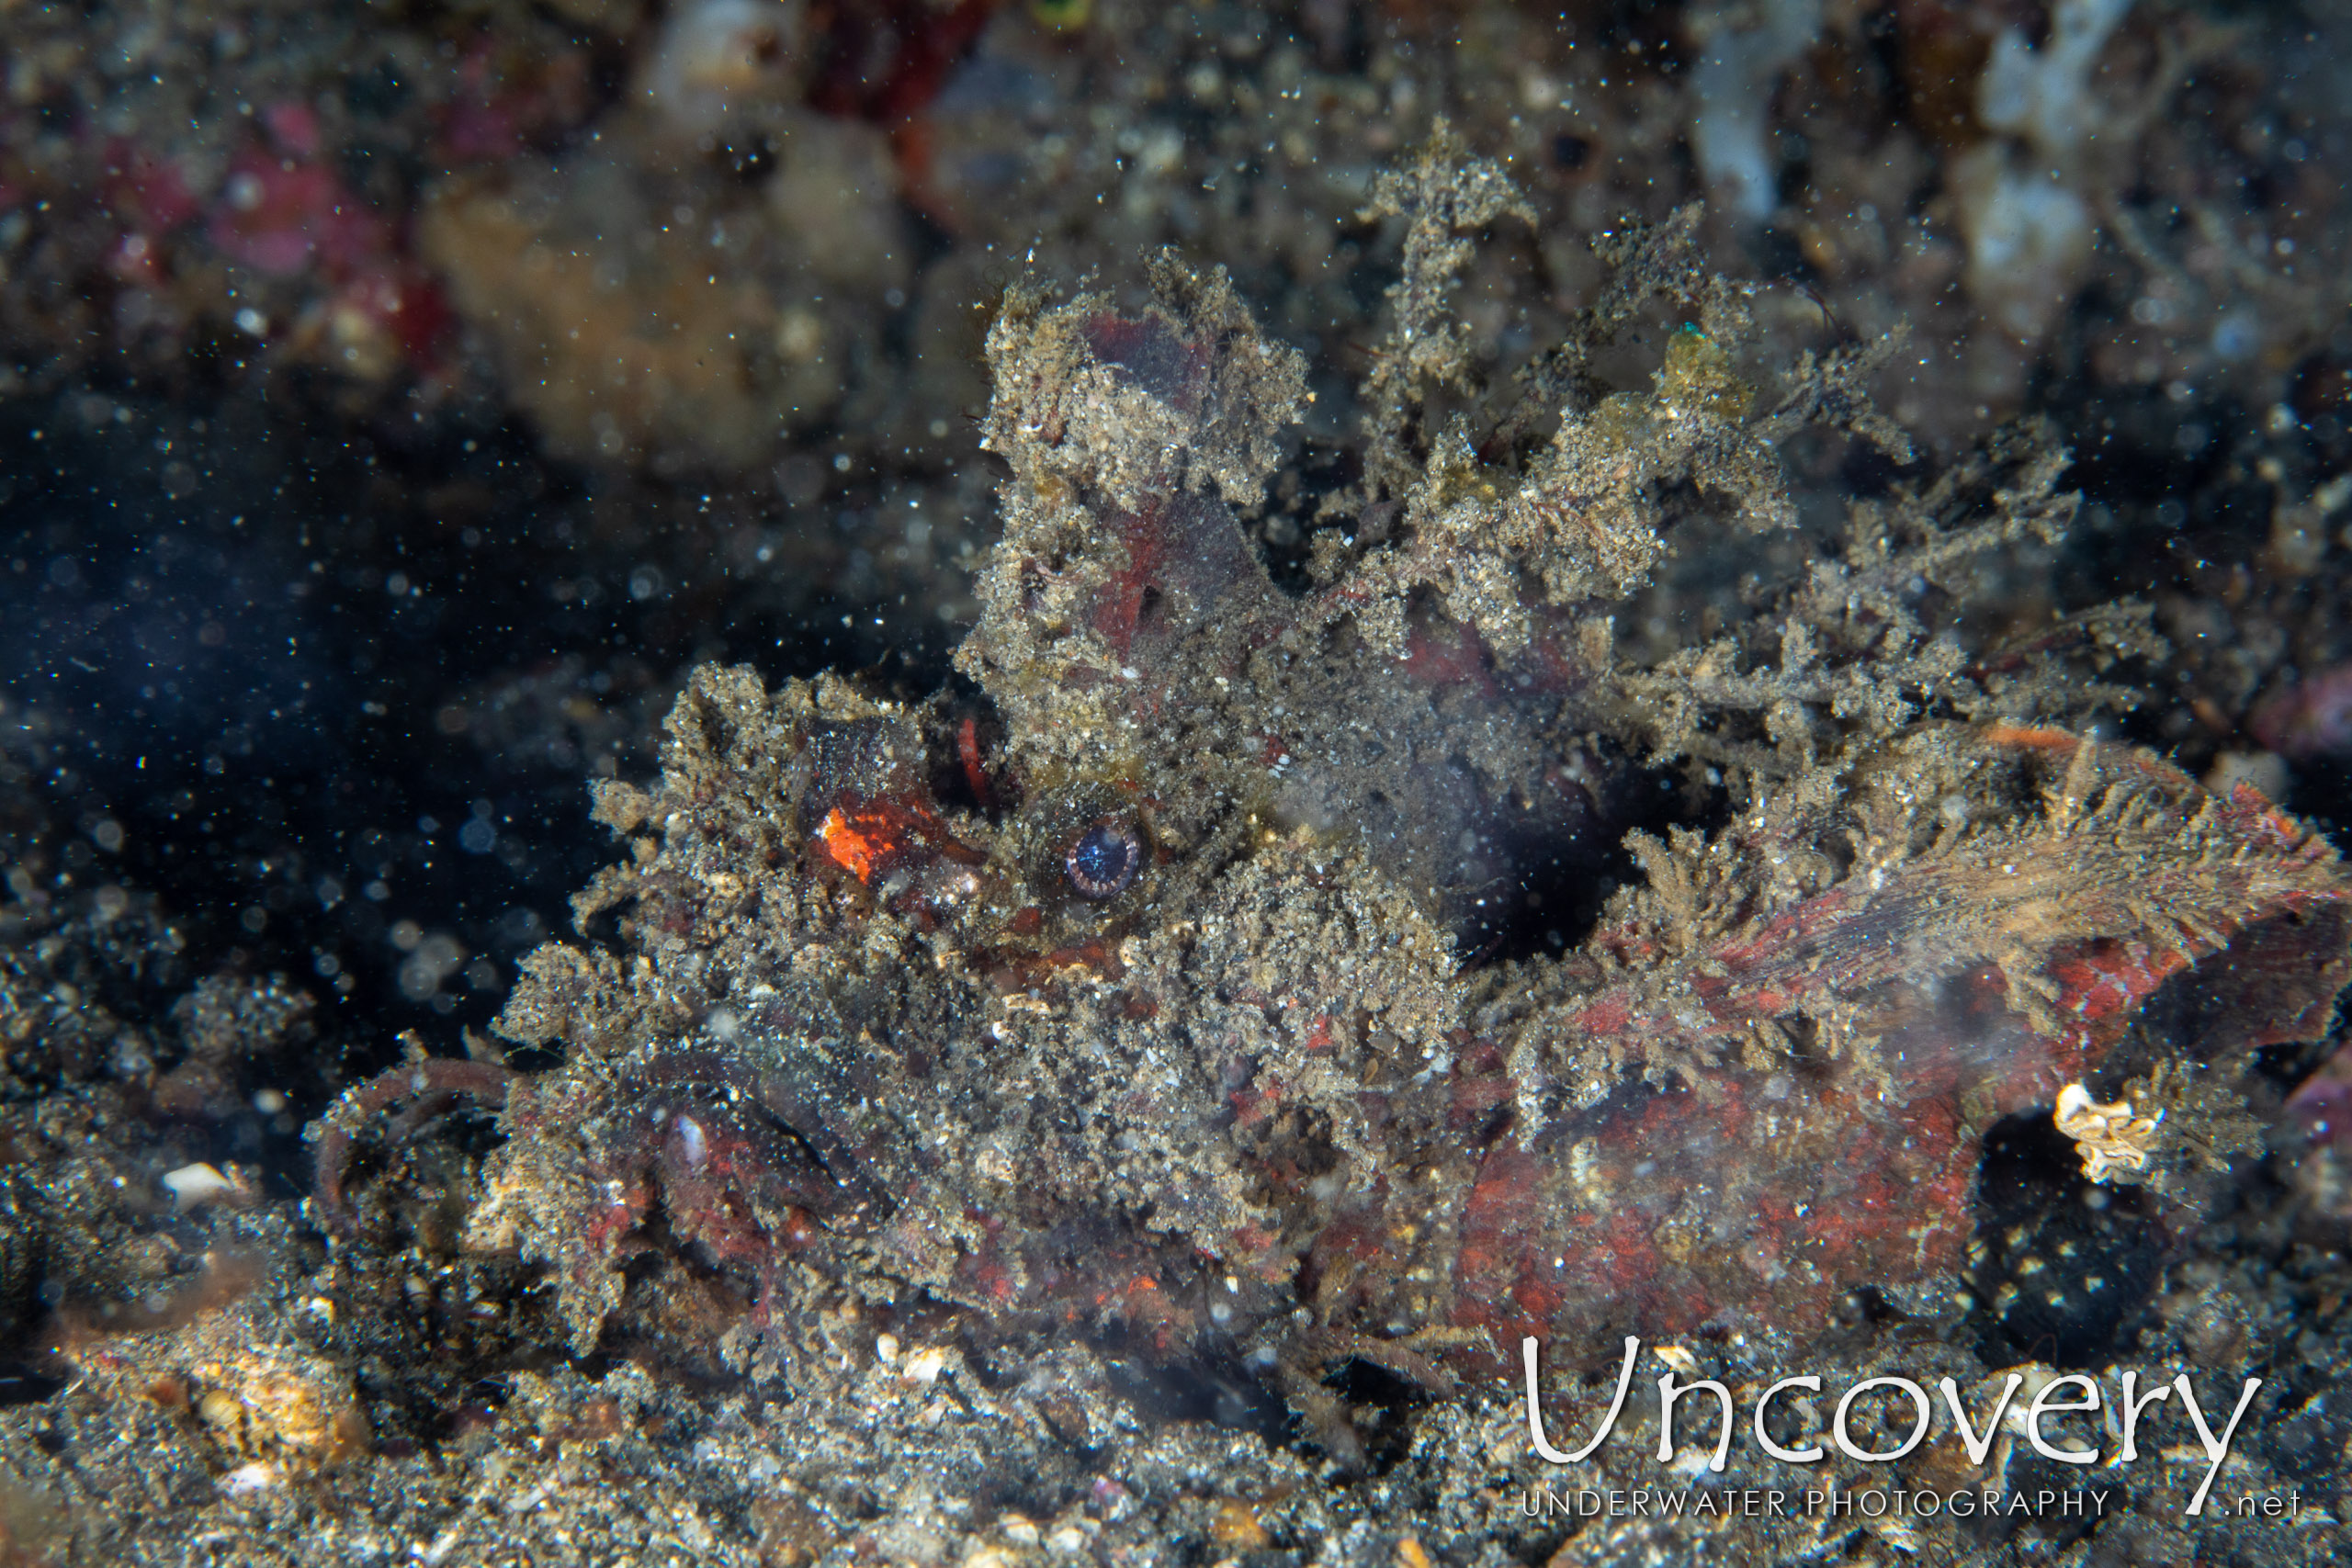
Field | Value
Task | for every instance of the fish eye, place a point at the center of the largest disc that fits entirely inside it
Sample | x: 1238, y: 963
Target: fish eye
x: 1103, y: 861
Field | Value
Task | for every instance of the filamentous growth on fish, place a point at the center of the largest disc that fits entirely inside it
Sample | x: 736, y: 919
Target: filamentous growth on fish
x: 1174, y: 1017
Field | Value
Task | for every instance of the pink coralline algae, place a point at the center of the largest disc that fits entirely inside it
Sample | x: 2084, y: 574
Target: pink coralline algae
x: 282, y: 215
x: 2313, y: 719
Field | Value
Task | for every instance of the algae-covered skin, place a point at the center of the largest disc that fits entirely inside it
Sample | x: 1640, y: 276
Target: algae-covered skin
x: 1151, y: 997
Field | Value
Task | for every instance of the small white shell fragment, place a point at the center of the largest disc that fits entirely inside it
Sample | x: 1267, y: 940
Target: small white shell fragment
x: 692, y: 1144
x: 193, y: 1186
x: 1683, y: 1362
x: 248, y: 1479
x: 2112, y: 1139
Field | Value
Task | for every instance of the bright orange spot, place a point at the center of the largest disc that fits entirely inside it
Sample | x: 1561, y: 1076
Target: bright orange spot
x: 852, y: 851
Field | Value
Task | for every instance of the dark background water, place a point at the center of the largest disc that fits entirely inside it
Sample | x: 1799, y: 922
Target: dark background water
x: 311, y: 686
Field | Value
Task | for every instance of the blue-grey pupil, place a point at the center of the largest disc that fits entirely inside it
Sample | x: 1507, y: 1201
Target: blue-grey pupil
x: 1103, y: 858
